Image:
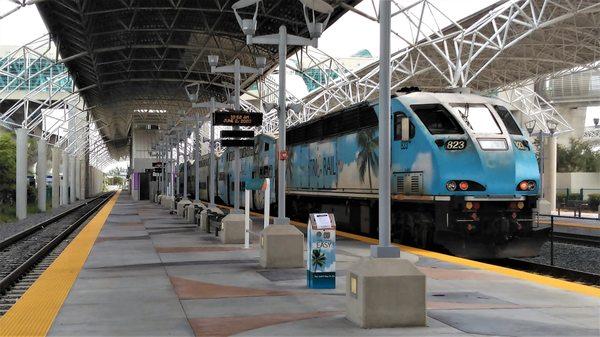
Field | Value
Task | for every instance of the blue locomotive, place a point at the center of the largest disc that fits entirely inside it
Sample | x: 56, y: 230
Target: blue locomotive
x: 464, y: 175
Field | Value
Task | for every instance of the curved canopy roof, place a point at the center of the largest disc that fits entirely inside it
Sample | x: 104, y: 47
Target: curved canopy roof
x: 134, y: 57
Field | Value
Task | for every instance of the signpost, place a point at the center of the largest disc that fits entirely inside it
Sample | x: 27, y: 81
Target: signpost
x: 255, y: 184
x: 320, y: 262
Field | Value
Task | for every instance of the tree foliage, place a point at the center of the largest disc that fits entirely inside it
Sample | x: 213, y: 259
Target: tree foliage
x: 577, y: 157
x: 8, y: 167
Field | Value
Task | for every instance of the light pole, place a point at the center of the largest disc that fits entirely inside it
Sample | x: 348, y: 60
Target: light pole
x: 236, y: 69
x: 212, y: 106
x: 283, y: 40
x: 552, y: 127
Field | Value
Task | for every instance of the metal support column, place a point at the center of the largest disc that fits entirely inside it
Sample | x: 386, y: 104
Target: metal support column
x: 281, y: 141
x: 197, y: 159
x: 212, y: 155
x: 21, y: 174
x: 185, y: 162
x: 384, y: 248
x: 41, y: 169
x: 56, y: 155
x: 236, y: 162
x: 177, y: 166
x: 77, y: 184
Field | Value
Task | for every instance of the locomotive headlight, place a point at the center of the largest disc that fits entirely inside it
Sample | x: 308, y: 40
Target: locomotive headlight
x: 469, y: 205
x: 531, y: 185
x: 451, y: 185
x: 520, y: 205
x: 463, y: 185
x: 523, y: 186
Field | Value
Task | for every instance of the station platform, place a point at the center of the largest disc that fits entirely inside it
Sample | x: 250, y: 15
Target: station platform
x: 136, y: 270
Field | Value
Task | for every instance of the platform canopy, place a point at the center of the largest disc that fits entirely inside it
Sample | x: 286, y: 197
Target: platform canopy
x: 134, y: 57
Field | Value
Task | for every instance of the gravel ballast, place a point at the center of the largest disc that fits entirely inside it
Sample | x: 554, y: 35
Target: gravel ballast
x: 11, y: 228
x: 571, y: 256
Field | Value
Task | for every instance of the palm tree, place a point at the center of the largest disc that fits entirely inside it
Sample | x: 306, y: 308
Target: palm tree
x: 318, y: 259
x: 368, y: 157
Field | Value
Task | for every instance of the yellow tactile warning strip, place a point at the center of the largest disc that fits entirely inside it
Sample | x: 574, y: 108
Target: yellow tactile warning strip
x: 35, y: 311
x: 539, y: 279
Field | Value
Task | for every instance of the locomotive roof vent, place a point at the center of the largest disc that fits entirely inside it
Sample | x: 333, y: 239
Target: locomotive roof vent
x: 407, y: 90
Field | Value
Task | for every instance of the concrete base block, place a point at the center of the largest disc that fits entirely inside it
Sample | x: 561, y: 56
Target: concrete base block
x: 385, y: 293
x: 204, y: 217
x: 181, y: 205
x: 544, y: 206
x: 233, y: 228
x: 281, y: 246
x: 168, y: 202
x: 192, y: 209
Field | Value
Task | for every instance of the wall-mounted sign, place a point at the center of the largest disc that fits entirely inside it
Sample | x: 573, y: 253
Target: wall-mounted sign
x: 320, y: 263
x: 237, y: 142
x: 237, y: 118
x: 237, y: 134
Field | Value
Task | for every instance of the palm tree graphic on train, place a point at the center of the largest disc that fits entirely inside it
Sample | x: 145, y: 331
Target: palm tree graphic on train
x: 288, y: 163
x: 368, y: 158
x: 318, y: 259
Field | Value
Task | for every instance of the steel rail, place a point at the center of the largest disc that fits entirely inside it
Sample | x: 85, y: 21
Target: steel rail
x: 578, y: 239
x: 554, y: 271
x: 18, y: 272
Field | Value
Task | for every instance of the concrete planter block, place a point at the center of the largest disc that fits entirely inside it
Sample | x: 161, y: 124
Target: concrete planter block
x: 181, y: 205
x: 385, y: 293
x: 204, y: 217
x: 544, y: 206
x: 281, y: 246
x: 190, y: 211
x: 233, y: 228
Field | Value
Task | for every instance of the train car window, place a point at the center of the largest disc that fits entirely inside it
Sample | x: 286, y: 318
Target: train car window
x: 478, y: 117
x: 437, y: 119
x: 398, y: 126
x: 266, y: 146
x: 508, y: 120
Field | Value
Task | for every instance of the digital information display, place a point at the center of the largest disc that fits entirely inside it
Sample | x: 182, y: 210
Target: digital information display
x: 237, y: 142
x: 237, y: 134
x: 237, y: 118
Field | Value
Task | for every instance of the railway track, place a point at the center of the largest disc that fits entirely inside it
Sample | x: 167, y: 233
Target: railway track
x: 25, y: 255
x: 554, y: 271
x: 579, y: 239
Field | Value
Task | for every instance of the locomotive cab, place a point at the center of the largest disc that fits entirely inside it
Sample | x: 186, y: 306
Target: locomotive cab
x: 465, y: 177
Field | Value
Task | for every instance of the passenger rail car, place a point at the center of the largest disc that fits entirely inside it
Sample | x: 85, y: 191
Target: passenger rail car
x: 464, y: 177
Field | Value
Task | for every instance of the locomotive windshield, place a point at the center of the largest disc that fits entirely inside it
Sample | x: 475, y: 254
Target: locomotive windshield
x: 508, y: 120
x: 437, y: 119
x: 478, y: 117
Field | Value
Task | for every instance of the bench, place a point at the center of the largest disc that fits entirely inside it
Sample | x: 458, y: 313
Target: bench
x: 576, y: 204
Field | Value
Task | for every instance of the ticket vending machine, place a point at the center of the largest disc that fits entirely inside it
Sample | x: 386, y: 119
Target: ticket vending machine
x: 320, y: 262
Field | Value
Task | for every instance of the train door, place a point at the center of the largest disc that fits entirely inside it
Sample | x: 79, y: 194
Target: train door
x: 144, y: 186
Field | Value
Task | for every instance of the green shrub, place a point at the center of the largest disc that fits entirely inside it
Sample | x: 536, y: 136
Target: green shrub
x: 593, y: 201
x: 8, y: 167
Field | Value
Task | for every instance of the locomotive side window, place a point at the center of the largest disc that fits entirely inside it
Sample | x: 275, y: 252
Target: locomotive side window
x: 508, y: 120
x: 478, y: 117
x: 398, y: 126
x: 266, y: 146
x: 437, y: 119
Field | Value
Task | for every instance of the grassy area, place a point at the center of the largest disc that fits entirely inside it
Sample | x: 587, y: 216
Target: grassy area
x: 8, y: 212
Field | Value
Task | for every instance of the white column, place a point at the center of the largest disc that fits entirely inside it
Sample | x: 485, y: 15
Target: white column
x: 237, y: 168
x: 72, y: 187
x: 41, y: 169
x: 64, y: 186
x: 84, y: 168
x: 549, y: 183
x: 21, y: 174
x: 56, y: 154
x: 212, y: 164
x: 77, y: 184
x: 177, y: 166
